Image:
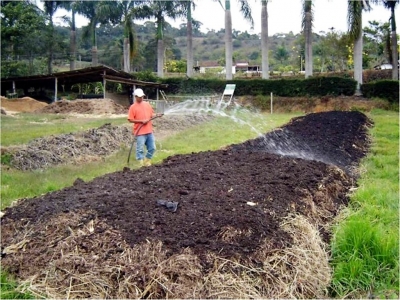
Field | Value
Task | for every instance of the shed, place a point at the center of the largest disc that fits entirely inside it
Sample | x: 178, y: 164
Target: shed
x: 57, y: 81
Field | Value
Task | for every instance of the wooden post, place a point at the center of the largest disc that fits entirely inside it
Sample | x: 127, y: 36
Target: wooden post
x: 271, y: 104
x: 55, y: 90
x: 104, y: 84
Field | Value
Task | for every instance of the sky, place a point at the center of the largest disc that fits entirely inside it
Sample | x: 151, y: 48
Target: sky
x: 283, y: 16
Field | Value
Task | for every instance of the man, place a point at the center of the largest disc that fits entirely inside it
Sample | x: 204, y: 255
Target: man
x: 140, y: 114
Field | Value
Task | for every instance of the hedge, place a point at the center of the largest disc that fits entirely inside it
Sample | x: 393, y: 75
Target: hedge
x: 385, y: 89
x: 314, y: 86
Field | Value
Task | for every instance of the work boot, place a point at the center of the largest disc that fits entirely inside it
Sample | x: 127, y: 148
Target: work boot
x: 141, y: 162
x: 147, y: 162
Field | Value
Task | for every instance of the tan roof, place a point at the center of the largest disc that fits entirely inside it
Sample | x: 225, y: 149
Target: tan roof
x: 209, y: 63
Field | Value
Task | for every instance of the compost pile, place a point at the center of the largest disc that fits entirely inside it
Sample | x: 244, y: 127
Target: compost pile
x: 90, y: 145
x: 248, y: 223
x: 25, y: 104
x: 343, y: 146
x: 80, y: 106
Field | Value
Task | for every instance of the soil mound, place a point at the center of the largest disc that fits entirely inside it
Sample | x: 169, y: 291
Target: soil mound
x: 336, y: 137
x: 25, y: 104
x: 80, y: 106
x: 246, y: 223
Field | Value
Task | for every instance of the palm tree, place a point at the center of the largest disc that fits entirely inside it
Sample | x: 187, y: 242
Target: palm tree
x: 391, y: 4
x: 71, y: 6
x: 160, y: 10
x: 124, y: 13
x: 189, y: 50
x: 355, y: 9
x: 246, y: 11
x: 307, y: 29
x: 50, y: 8
x: 90, y: 9
x: 264, y: 39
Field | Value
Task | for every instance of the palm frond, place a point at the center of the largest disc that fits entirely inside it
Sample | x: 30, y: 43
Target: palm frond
x: 245, y: 9
x: 354, y: 18
x: 86, y: 31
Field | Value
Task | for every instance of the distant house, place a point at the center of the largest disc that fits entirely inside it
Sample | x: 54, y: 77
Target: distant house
x: 241, y: 66
x: 244, y: 67
x: 209, y: 65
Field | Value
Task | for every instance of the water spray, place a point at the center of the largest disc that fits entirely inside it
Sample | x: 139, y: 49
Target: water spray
x: 205, y: 105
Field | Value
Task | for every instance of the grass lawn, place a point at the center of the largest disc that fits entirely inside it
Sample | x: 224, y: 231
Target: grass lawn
x: 365, y: 247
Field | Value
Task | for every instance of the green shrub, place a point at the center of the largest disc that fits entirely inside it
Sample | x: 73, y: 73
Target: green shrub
x: 386, y: 89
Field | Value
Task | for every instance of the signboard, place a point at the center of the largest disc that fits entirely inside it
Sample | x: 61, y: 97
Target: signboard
x: 229, y: 89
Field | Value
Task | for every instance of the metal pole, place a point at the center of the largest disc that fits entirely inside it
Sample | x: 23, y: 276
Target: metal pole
x: 271, y: 103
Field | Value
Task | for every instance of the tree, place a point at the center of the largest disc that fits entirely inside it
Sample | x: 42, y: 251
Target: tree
x: 333, y: 51
x: 298, y: 51
x: 189, y: 59
x: 90, y: 9
x: 355, y: 9
x: 391, y: 4
x: 376, y: 37
x: 186, y: 6
x: 71, y: 6
x: 19, y: 21
x: 246, y: 12
x: 21, y: 25
x: 307, y: 29
x: 281, y: 53
x: 159, y: 10
x: 124, y: 13
x: 50, y: 7
x: 264, y: 39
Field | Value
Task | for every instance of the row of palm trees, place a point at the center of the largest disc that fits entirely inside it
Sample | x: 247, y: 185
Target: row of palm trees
x: 126, y: 11
x: 355, y: 9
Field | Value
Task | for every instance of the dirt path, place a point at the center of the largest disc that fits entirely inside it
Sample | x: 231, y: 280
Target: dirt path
x: 249, y: 221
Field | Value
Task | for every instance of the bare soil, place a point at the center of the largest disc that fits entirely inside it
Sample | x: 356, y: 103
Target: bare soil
x: 25, y: 104
x: 251, y: 220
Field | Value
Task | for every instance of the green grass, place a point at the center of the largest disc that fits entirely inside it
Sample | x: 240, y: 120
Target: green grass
x: 20, y: 129
x: 8, y: 289
x: 365, y: 247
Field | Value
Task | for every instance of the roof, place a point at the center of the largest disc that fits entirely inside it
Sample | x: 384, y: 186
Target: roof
x: 209, y: 63
x: 90, y: 74
x: 242, y: 64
